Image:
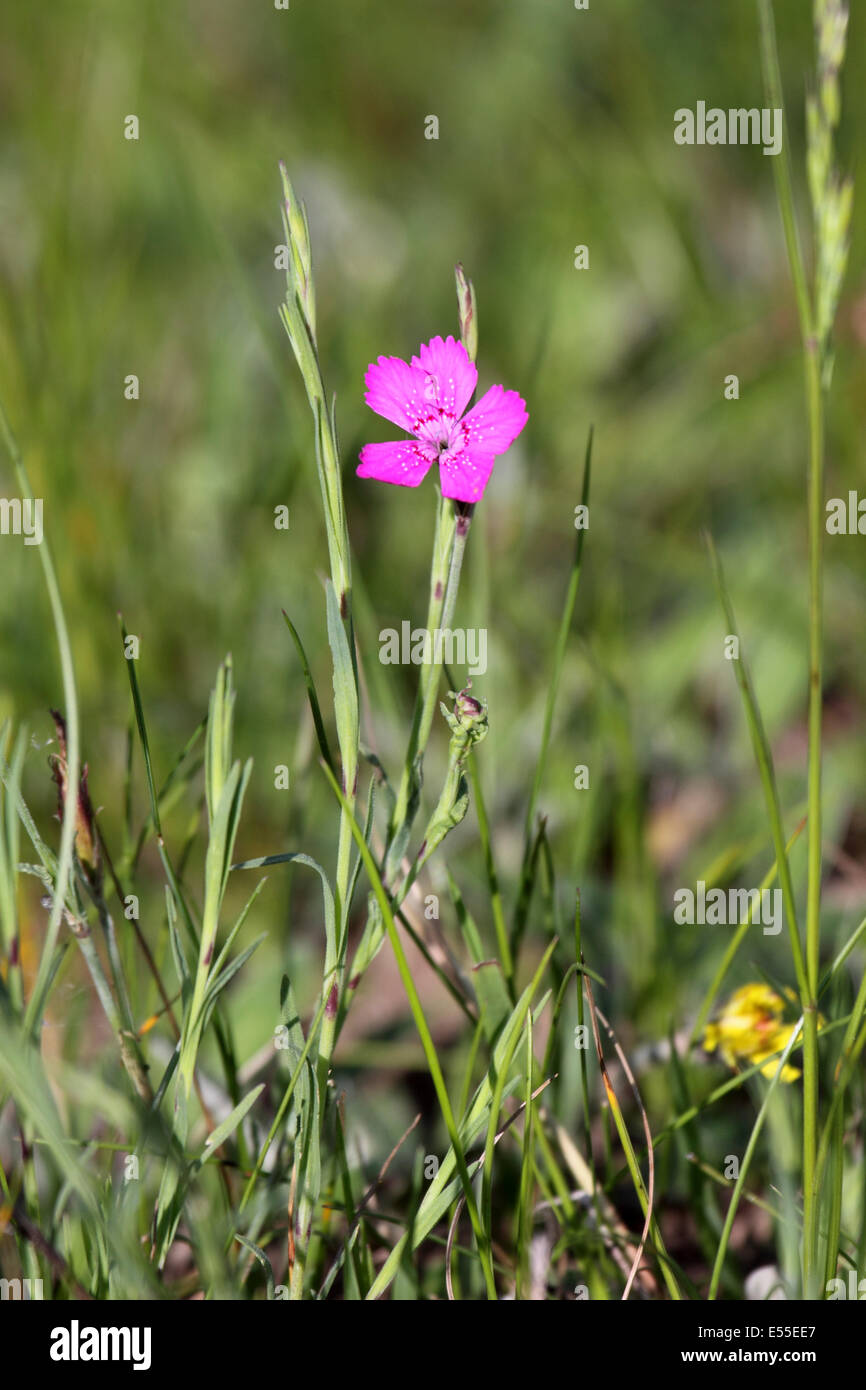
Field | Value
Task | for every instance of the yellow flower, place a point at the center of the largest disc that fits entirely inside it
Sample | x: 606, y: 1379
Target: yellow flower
x: 750, y: 1028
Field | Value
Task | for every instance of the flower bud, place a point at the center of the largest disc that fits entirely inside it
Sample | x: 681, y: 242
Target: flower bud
x: 467, y: 312
x: 468, y: 722
x: 468, y: 709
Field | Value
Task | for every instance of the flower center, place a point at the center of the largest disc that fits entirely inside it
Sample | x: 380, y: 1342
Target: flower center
x: 441, y: 435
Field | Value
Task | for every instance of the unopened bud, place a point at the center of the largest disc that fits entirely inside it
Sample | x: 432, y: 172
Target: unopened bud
x: 468, y: 722
x: 467, y: 312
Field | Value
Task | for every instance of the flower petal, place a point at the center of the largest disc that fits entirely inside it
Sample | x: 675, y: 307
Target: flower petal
x: 396, y: 390
x: 465, y: 477
x: 402, y: 461
x: 449, y: 376
x: 495, y: 422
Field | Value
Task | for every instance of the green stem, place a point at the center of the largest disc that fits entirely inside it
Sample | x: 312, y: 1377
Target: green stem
x: 785, y: 192
x: 499, y: 923
x: 428, y: 685
x: 299, y: 319
x: 36, y: 1002
x: 463, y: 520
x: 813, y: 896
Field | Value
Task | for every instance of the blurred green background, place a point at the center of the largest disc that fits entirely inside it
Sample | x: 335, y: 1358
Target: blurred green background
x: 156, y: 257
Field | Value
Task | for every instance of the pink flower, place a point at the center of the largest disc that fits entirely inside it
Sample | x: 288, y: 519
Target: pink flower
x: 427, y: 397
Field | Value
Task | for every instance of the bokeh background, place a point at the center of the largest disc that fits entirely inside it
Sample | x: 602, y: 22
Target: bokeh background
x: 156, y: 257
